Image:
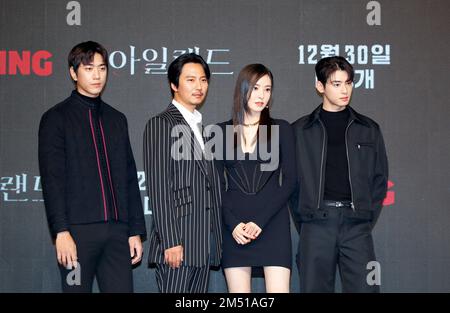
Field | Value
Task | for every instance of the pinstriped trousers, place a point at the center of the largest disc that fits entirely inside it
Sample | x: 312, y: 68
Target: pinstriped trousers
x: 185, y: 279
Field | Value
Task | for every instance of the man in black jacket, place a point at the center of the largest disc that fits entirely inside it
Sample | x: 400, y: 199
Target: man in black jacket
x: 89, y: 182
x: 342, y: 173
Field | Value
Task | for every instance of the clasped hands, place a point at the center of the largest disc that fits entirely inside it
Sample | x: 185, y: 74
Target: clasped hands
x: 243, y: 233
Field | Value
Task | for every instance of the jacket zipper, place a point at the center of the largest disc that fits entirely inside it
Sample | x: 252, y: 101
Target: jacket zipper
x: 109, y: 170
x: 348, y: 164
x: 98, y: 166
x: 321, y: 164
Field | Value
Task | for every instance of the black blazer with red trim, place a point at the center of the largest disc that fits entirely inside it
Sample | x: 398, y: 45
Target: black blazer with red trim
x: 68, y: 163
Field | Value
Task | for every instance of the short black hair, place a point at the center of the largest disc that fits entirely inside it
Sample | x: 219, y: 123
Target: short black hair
x: 83, y: 53
x: 175, y: 68
x: 327, y: 66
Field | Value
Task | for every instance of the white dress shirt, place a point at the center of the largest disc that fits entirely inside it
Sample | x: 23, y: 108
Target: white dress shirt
x: 194, y: 120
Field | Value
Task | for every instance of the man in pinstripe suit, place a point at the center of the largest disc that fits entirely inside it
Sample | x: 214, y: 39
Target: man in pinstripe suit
x: 183, y: 187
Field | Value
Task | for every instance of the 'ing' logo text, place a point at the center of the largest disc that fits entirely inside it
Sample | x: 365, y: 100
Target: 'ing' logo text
x: 25, y: 63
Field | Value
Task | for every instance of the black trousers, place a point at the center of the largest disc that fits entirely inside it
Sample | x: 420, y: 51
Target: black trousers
x: 335, y: 242
x: 103, y: 252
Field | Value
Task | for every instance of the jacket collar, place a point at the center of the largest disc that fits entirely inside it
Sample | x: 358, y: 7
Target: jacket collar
x: 176, y: 114
x: 198, y: 152
x: 315, y: 116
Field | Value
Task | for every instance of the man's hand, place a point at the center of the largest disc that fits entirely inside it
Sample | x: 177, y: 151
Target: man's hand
x: 135, y: 249
x: 174, y: 256
x: 240, y: 235
x: 66, y: 250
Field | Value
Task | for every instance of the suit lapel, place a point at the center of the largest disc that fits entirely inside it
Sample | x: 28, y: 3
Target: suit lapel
x: 188, y: 133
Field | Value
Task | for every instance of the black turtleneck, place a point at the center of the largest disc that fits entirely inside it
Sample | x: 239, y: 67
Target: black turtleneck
x: 337, y: 185
x: 91, y: 102
x: 94, y: 105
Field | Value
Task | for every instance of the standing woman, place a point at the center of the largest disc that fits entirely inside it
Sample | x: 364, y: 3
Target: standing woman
x: 256, y: 188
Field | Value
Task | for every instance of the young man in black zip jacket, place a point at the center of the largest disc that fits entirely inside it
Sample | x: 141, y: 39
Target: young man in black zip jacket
x: 342, y: 173
x: 89, y: 182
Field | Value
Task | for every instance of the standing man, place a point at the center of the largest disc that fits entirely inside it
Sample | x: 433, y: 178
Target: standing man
x: 89, y: 181
x: 343, y: 172
x: 183, y: 185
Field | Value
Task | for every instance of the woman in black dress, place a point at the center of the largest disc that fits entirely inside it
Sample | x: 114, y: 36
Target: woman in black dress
x: 257, y: 167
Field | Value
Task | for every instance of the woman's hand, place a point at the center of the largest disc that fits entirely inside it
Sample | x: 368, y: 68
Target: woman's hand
x: 252, y: 230
x: 240, y: 235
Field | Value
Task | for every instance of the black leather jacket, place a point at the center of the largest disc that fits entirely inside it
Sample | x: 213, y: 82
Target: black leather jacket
x: 367, y: 164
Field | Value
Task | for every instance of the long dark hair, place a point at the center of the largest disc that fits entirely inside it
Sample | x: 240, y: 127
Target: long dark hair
x: 246, y: 80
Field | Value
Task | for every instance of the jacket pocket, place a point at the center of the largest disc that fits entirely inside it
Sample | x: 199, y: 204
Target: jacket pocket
x: 362, y: 145
x: 365, y: 159
x: 183, y: 201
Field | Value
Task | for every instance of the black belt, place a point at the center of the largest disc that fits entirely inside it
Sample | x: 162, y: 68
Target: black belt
x: 337, y: 204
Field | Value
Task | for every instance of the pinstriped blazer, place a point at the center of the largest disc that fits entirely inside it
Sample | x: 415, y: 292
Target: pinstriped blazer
x: 184, y: 193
